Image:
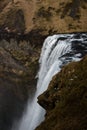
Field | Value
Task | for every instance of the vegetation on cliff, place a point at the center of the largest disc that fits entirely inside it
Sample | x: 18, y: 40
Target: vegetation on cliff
x: 66, y: 99
x: 59, y: 16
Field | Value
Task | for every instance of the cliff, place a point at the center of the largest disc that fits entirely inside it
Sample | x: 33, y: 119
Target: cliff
x: 46, y: 16
x: 18, y: 67
x: 65, y: 100
x: 24, y: 24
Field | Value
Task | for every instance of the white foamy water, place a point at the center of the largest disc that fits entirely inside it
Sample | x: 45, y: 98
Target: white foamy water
x: 57, y: 51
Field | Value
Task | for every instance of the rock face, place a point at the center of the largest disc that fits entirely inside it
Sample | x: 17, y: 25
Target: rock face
x: 60, y: 16
x: 65, y: 100
x: 18, y: 67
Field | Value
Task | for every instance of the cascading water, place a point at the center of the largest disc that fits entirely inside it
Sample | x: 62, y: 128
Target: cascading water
x: 57, y: 51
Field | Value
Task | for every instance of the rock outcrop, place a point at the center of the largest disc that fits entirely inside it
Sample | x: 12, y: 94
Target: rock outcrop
x: 65, y: 100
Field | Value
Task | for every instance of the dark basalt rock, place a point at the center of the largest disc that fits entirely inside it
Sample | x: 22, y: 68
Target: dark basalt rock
x: 34, y: 36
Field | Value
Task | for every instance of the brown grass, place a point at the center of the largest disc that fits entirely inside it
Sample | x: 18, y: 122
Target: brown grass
x: 62, y: 13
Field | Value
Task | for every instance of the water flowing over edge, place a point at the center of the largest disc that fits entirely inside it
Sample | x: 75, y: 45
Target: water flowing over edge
x: 57, y: 51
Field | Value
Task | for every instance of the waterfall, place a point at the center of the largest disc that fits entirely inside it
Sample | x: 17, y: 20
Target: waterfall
x: 57, y: 51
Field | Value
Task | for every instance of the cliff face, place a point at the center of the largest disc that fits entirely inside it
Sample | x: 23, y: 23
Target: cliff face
x: 65, y: 100
x: 48, y: 16
x: 18, y: 62
x: 18, y: 67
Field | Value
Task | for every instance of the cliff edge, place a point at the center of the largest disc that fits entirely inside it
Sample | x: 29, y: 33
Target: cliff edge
x: 65, y: 100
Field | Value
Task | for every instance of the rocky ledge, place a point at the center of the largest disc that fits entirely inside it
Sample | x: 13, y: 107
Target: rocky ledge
x: 65, y: 100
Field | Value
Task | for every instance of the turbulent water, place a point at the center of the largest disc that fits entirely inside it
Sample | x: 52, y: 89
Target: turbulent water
x: 57, y: 51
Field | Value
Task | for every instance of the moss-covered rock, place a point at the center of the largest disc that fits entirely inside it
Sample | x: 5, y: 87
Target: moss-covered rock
x: 66, y: 99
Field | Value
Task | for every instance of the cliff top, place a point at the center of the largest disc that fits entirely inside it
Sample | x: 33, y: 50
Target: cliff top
x: 60, y: 16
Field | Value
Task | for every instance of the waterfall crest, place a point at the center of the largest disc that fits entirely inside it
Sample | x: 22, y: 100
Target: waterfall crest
x: 57, y: 51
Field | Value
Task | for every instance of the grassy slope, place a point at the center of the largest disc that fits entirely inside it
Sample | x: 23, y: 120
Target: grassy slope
x: 59, y: 16
x: 66, y: 99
